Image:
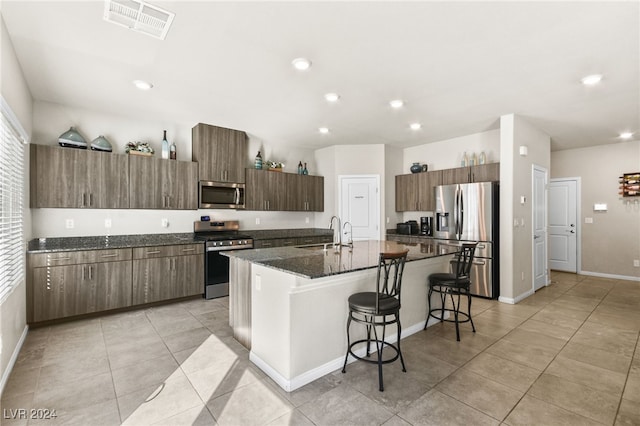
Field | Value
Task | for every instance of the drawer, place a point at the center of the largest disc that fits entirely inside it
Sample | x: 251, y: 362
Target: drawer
x: 167, y: 251
x: 186, y: 249
x: 315, y: 239
x: 264, y: 243
x: 59, y: 258
x: 62, y: 258
x: 113, y: 255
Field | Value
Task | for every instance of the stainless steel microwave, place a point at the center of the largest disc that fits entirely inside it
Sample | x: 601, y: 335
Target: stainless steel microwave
x: 221, y: 195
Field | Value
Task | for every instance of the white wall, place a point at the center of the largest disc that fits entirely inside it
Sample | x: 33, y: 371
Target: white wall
x: 516, y: 174
x: 13, y: 309
x: 393, y: 166
x: 340, y: 160
x: 612, y: 242
x: 447, y: 154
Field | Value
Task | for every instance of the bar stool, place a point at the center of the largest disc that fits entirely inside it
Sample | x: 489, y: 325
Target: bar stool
x: 379, y: 308
x: 453, y: 284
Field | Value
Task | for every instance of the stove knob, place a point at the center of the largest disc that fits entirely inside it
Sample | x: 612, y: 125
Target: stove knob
x: 230, y: 243
x: 214, y: 243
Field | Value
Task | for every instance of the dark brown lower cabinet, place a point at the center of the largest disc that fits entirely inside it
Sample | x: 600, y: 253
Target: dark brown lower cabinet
x: 69, y: 283
x: 64, y: 291
x: 174, y: 273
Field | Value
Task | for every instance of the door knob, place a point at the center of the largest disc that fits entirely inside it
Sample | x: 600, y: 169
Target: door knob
x: 572, y: 231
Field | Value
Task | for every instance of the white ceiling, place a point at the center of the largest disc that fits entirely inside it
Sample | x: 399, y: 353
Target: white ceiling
x: 458, y: 66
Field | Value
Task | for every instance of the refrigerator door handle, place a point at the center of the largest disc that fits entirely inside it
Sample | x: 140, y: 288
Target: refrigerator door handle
x: 461, y: 215
x: 455, y: 211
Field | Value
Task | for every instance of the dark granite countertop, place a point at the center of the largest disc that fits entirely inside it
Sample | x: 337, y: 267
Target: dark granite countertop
x: 44, y: 245
x: 314, y: 262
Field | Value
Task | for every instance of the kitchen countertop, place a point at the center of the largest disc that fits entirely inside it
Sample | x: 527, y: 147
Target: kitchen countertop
x: 314, y: 262
x: 44, y: 245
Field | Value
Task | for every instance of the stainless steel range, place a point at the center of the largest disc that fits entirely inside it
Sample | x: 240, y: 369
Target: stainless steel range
x: 218, y: 237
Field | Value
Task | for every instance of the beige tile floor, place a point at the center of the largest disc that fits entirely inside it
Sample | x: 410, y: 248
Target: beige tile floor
x: 567, y: 355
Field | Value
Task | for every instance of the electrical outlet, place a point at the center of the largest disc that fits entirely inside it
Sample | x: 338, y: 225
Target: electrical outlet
x: 165, y: 223
x: 636, y: 263
x: 257, y: 221
x: 258, y: 282
x: 70, y: 224
x: 306, y: 220
x: 522, y: 276
x: 107, y: 223
x: 387, y: 220
x: 588, y: 220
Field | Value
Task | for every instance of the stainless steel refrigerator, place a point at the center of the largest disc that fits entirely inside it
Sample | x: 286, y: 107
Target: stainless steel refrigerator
x: 469, y: 212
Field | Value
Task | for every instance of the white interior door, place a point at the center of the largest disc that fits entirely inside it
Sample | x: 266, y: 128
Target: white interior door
x: 360, y: 205
x: 563, y: 221
x: 539, y: 206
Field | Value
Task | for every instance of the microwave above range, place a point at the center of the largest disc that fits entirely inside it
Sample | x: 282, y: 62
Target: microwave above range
x: 221, y: 195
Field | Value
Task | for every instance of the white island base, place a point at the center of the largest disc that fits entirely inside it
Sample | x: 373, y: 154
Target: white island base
x: 299, y: 324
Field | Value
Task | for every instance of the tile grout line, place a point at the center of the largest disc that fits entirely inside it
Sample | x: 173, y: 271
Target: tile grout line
x: 555, y: 356
x: 635, y: 350
x: 113, y: 383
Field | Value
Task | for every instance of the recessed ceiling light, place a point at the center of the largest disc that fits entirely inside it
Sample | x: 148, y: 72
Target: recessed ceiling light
x: 332, y: 97
x: 626, y: 135
x: 142, y: 85
x: 396, y: 103
x: 415, y: 126
x: 301, y: 64
x: 323, y: 130
x: 590, y: 80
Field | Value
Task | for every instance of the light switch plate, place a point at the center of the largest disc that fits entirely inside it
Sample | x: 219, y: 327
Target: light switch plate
x: 600, y: 207
x: 588, y: 220
x: 69, y: 224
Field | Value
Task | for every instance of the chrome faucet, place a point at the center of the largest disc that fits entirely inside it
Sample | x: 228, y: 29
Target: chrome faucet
x: 350, y: 238
x: 337, y: 242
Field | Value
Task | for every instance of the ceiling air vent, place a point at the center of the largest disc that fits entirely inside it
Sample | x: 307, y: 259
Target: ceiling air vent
x: 139, y: 16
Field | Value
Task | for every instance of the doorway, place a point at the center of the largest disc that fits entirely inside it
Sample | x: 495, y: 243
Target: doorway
x: 539, y: 206
x: 563, y: 224
x: 360, y: 205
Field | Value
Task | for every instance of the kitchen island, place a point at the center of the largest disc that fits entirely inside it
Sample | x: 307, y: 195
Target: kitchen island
x: 290, y: 303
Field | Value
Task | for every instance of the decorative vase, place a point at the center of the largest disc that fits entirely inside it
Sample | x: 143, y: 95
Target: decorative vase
x: 416, y: 168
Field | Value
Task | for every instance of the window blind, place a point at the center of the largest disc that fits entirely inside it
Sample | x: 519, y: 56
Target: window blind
x: 12, y: 256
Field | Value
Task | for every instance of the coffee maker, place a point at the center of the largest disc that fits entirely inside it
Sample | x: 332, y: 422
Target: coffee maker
x: 426, y: 226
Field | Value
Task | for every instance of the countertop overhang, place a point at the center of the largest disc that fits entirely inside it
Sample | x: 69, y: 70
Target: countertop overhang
x: 314, y: 262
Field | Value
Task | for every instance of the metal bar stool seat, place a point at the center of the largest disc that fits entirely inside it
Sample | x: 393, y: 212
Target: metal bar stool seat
x: 379, y: 309
x: 453, y: 284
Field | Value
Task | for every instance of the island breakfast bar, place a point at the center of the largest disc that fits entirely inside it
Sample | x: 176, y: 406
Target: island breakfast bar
x: 289, y: 304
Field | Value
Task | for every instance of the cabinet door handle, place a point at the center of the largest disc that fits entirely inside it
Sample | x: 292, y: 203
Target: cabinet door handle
x: 188, y: 249
x: 84, y: 199
x: 110, y: 255
x: 60, y: 258
x: 153, y: 252
x: 90, y: 199
x: 83, y: 273
x: 90, y: 273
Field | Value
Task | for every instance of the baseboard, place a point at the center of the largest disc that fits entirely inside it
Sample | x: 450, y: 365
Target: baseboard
x: 513, y: 301
x: 616, y: 277
x: 13, y: 359
x: 309, y: 376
